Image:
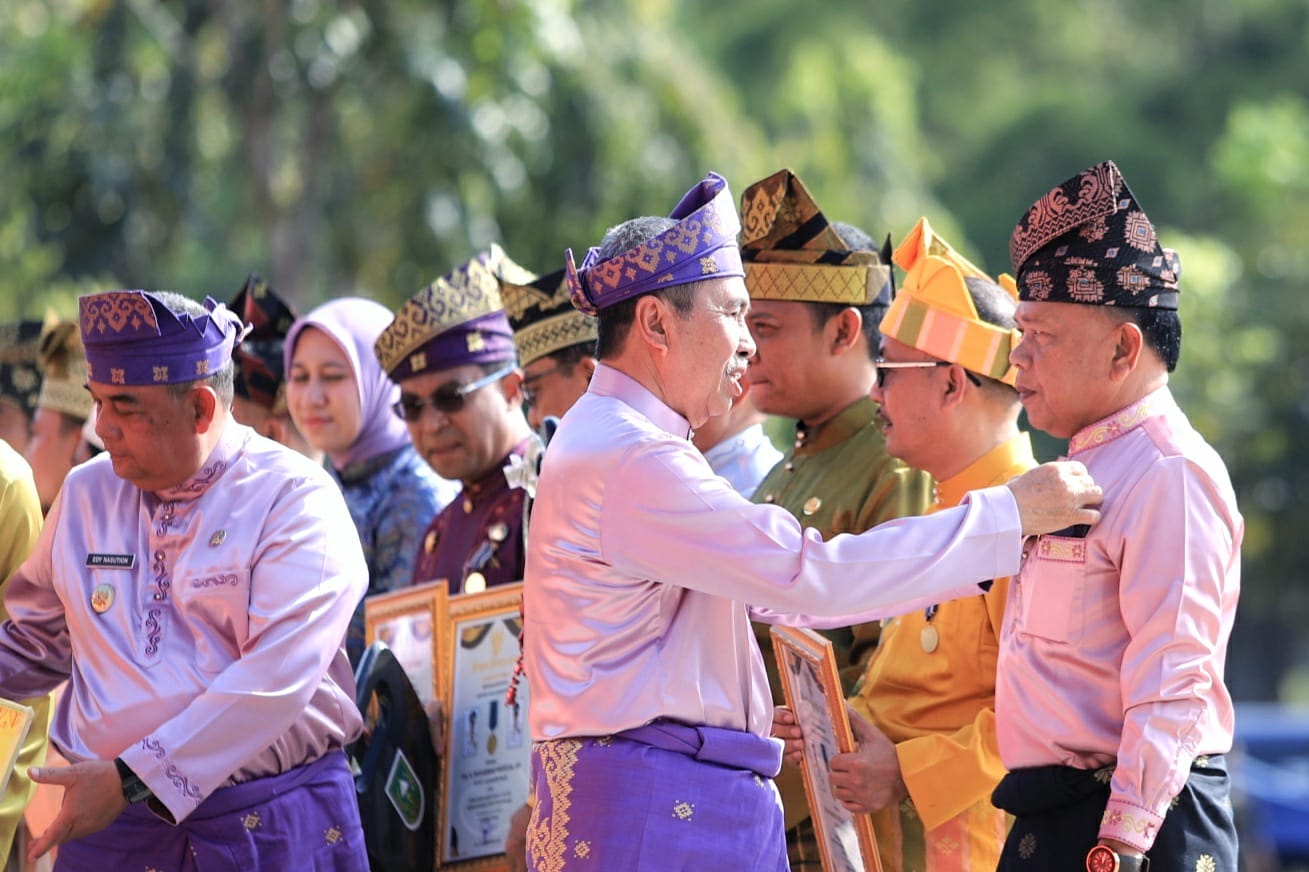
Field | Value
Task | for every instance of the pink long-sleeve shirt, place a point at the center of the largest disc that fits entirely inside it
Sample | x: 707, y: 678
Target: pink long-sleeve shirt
x: 201, y: 628
x: 1113, y: 645
x: 641, y: 562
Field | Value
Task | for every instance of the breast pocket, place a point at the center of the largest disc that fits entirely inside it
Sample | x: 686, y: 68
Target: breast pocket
x: 215, y: 611
x: 1052, y: 582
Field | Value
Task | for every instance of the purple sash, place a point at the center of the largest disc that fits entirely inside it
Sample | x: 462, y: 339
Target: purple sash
x: 732, y: 748
x: 306, y: 818
x: 663, y: 797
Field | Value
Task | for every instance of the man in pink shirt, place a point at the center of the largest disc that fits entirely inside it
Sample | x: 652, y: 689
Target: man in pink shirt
x: 1110, y: 702
x: 650, y: 707
x: 193, y: 584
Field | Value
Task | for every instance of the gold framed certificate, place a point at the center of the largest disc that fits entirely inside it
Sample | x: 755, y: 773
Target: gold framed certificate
x: 487, y: 764
x: 846, y: 842
x: 407, y: 620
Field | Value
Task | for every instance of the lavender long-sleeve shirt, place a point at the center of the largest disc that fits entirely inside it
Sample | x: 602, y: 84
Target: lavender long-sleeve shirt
x: 216, y: 655
x: 641, y: 562
x: 1113, y: 645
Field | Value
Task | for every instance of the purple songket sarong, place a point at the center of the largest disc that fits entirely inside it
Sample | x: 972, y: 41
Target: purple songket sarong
x: 306, y: 818
x: 664, y: 797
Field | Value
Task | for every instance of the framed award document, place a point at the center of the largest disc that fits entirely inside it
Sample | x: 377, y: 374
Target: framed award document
x: 407, y: 620
x: 813, y: 693
x: 486, y: 767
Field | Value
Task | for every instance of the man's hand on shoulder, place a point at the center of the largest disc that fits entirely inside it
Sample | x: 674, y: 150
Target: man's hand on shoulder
x: 1054, y: 496
x: 93, y: 799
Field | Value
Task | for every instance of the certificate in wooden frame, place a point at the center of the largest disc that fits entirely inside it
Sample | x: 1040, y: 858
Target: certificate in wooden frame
x: 407, y: 620
x: 846, y: 842
x: 487, y: 764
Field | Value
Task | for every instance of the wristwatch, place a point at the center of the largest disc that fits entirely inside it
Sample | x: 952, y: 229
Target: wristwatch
x: 1103, y: 858
x: 134, y: 789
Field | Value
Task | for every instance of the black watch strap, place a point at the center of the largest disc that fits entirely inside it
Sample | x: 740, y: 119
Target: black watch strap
x: 134, y: 789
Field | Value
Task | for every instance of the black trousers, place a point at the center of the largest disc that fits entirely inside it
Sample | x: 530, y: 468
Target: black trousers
x: 1057, y: 812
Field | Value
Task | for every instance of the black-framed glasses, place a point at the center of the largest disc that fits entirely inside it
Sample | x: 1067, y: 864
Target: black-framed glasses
x: 447, y: 399
x: 884, y: 365
x: 526, y: 386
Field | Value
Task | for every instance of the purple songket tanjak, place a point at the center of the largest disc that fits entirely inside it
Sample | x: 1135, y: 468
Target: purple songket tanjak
x: 701, y: 246
x: 133, y: 338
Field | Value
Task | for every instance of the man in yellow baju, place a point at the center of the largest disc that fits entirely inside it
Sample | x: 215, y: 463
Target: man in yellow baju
x: 817, y: 290
x: 20, y: 522
x: 925, y: 713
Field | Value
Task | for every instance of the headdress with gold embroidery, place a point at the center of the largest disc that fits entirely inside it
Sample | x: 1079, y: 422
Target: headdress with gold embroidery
x: 935, y: 313
x: 63, y: 365
x: 260, y: 370
x: 133, y: 338
x: 456, y: 320
x: 701, y: 246
x: 544, y: 319
x: 20, y: 372
x: 792, y: 252
x: 1088, y: 241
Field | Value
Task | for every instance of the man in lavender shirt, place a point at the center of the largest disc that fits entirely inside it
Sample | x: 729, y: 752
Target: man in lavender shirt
x: 650, y: 708
x: 193, y: 584
x: 1110, y: 704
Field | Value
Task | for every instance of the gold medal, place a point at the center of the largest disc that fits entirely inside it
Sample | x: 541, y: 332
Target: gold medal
x: 490, y: 744
x: 812, y: 505
x: 475, y: 583
x: 102, y: 598
x: 929, y: 638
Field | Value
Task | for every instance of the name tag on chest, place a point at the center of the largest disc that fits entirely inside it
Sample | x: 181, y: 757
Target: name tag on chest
x: 111, y: 561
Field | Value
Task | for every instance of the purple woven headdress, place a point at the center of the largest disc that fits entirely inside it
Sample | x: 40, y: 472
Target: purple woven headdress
x: 701, y: 246
x: 133, y: 338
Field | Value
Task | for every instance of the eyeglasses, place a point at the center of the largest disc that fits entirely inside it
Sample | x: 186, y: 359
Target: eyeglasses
x: 526, y: 386
x: 447, y: 399
x: 884, y: 365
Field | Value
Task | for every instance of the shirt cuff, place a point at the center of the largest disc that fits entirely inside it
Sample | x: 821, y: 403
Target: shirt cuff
x: 1130, y: 824
x: 998, y: 506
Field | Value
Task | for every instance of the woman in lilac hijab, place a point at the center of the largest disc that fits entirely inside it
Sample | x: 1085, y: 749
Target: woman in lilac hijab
x: 340, y: 399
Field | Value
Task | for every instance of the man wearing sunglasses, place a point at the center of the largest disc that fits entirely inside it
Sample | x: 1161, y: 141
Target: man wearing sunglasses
x: 451, y: 350
x: 650, y: 707
x: 924, y: 714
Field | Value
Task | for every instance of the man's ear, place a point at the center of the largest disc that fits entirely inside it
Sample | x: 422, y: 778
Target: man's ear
x: 651, y: 323
x: 844, y: 331
x: 588, y: 366
x: 1128, y: 344
x: 512, y: 387
x: 955, y: 384
x: 204, y: 404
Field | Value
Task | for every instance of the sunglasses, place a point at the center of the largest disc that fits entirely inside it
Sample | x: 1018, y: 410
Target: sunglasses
x: 447, y: 399
x: 884, y: 365
x: 527, y: 386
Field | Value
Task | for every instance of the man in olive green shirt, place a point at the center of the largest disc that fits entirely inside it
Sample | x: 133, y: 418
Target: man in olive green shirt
x: 817, y: 293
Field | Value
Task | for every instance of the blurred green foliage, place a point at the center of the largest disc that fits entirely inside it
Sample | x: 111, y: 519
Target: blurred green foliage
x: 366, y: 147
